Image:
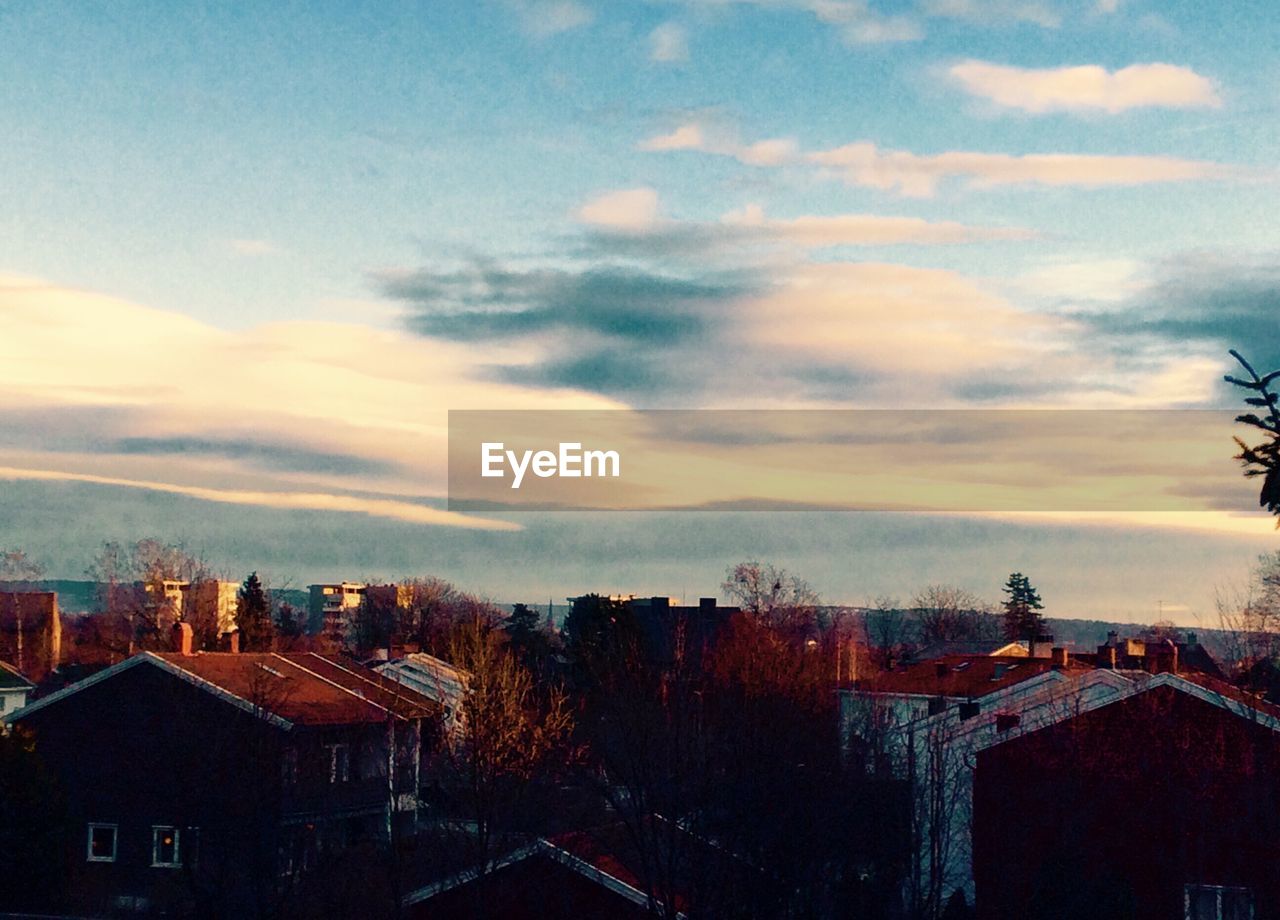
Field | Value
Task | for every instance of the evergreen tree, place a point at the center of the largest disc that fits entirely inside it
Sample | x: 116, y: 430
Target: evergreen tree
x: 253, y: 616
x: 1022, y: 619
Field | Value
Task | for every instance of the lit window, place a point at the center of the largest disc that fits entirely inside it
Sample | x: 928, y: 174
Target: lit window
x: 102, y: 843
x: 165, y: 846
x: 339, y: 763
x: 1217, y: 902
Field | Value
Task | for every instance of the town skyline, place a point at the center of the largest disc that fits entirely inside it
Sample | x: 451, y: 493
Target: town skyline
x: 254, y: 256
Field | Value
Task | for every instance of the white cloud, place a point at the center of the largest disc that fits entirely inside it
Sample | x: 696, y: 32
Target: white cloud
x: 776, y: 151
x: 669, y: 43
x: 633, y: 209
x: 996, y: 12
x: 856, y: 21
x: 380, y: 396
x: 252, y: 248
x: 685, y: 137
x: 1086, y: 87
x: 866, y: 229
x: 863, y: 164
x: 545, y: 18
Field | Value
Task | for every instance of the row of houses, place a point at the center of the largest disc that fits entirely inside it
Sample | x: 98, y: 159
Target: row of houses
x: 1046, y: 784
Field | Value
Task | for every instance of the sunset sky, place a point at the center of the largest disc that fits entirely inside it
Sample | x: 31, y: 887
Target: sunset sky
x: 250, y: 254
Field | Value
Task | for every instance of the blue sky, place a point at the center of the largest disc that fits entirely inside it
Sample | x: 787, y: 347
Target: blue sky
x: 250, y: 253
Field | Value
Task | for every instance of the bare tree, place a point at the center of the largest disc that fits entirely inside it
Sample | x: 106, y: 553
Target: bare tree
x: 949, y: 614
x: 888, y: 631
x: 772, y: 594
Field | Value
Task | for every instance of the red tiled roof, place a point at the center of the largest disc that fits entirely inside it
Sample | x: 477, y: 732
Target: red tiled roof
x: 959, y: 675
x: 305, y: 689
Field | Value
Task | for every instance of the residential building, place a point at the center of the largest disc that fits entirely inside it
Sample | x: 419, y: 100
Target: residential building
x: 1156, y: 802
x: 926, y: 724
x: 210, y: 601
x: 14, y: 690
x: 214, y: 779
x: 332, y: 607
x: 31, y: 632
x: 435, y: 679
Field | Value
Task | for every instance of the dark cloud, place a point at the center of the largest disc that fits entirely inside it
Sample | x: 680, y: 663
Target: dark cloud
x: 1216, y: 300
x: 485, y: 301
x: 264, y: 455
x: 105, y: 430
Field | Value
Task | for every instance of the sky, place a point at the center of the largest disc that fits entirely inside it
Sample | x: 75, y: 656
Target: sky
x: 251, y: 255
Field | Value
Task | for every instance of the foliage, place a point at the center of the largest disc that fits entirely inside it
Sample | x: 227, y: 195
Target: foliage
x: 32, y: 824
x: 1022, y: 606
x: 253, y: 616
x: 1263, y: 459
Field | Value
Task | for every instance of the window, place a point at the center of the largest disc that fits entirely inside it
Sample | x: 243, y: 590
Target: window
x: 339, y: 763
x: 165, y: 845
x: 289, y: 766
x: 102, y: 843
x: 1217, y: 902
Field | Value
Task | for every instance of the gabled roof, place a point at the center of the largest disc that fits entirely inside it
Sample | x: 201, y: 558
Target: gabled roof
x: 1203, y: 687
x: 11, y: 678
x: 285, y: 689
x: 970, y: 647
x: 960, y: 676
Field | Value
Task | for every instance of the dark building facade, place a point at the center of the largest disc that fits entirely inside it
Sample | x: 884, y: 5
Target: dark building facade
x: 1161, y: 804
x: 213, y: 782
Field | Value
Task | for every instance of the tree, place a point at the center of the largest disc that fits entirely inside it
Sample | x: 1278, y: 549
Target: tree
x: 950, y: 614
x: 1022, y: 606
x: 887, y: 633
x: 512, y: 735
x: 17, y: 566
x: 32, y: 826
x: 253, y: 616
x: 137, y: 607
x: 772, y: 594
x: 1264, y: 459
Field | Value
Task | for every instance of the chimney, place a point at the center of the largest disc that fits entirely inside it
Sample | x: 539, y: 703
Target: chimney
x: 1059, y: 655
x: 182, y: 637
x: 233, y: 642
x: 1107, y: 656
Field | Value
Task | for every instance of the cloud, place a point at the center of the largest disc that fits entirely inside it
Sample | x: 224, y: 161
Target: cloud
x: 626, y: 209
x: 864, y: 229
x: 866, y: 165
x: 995, y: 12
x: 1086, y: 88
x: 547, y: 18
x: 252, y: 247
x: 629, y: 223
x: 694, y: 136
x: 914, y: 175
x: 104, y: 387
x: 1204, y: 301
x: 669, y: 44
x: 297, y: 501
x: 855, y: 21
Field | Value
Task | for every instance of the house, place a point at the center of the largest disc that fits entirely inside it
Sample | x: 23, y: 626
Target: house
x: 31, y: 632
x: 547, y: 880
x: 218, y: 779
x: 14, y: 690
x: 597, y: 872
x: 926, y: 724
x: 999, y: 648
x: 433, y: 678
x: 1160, y: 801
